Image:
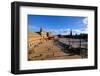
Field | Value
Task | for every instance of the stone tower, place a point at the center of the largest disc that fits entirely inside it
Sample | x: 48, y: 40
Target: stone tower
x: 41, y: 29
x: 43, y: 33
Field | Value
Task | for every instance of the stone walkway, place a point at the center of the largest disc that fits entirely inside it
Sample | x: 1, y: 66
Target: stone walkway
x: 49, y: 51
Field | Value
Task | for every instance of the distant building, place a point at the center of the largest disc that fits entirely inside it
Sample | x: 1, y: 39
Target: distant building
x: 37, y: 37
x: 71, y: 33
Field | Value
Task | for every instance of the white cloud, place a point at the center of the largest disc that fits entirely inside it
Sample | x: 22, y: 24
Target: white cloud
x: 85, y: 28
x: 32, y: 28
x: 85, y: 31
x: 80, y: 31
x: 66, y: 31
x: 85, y: 22
x: 59, y: 31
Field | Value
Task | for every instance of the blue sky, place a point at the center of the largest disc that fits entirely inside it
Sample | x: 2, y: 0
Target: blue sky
x: 57, y: 24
